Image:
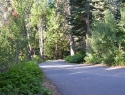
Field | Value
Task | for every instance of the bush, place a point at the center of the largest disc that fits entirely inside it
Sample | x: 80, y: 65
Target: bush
x: 120, y: 57
x: 92, y: 59
x: 108, y: 58
x: 22, y: 79
x: 36, y: 59
x: 77, y: 58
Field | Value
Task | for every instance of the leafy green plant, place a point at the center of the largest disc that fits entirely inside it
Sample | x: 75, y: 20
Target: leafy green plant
x: 120, y: 57
x: 36, y: 59
x: 77, y: 58
x: 108, y: 57
x: 22, y: 79
x: 92, y: 59
x: 106, y: 42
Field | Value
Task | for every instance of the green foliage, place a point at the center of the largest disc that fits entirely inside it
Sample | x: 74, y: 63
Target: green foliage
x: 115, y: 57
x: 18, y: 41
x: 56, y: 41
x: 22, y: 79
x: 106, y: 42
x: 120, y: 57
x: 36, y: 59
x: 98, y: 6
x: 92, y: 59
x: 77, y: 17
x: 6, y: 50
x: 77, y: 58
x: 114, y: 6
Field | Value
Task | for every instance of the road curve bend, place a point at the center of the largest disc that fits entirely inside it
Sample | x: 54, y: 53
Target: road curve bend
x: 78, y: 79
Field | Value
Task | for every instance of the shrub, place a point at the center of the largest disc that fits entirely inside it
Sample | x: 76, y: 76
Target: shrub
x: 77, y: 58
x: 120, y: 58
x: 108, y: 58
x: 22, y: 79
x: 36, y: 59
x: 92, y: 59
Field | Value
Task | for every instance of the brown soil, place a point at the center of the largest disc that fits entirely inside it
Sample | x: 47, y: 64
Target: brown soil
x: 49, y: 85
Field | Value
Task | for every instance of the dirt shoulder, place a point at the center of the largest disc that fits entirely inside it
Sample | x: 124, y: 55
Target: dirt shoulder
x: 48, y: 84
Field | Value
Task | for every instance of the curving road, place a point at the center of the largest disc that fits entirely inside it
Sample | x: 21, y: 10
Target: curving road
x: 78, y: 79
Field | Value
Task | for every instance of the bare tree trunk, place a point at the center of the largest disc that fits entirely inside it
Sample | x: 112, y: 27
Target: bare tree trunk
x: 30, y: 55
x: 41, y: 29
x: 72, y: 51
x: 72, y: 43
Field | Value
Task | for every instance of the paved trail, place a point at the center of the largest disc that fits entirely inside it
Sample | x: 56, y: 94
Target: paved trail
x: 72, y: 79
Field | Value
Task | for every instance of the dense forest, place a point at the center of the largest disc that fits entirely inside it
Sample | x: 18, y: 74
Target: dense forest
x: 91, y: 30
x: 79, y: 31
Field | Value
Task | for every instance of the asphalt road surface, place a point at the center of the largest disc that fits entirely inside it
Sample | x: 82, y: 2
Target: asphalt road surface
x: 78, y: 79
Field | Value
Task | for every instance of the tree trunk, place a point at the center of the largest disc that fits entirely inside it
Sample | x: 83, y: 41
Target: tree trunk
x: 30, y: 55
x: 72, y: 51
x: 56, y: 51
x: 41, y: 29
x: 87, y: 25
x: 62, y: 54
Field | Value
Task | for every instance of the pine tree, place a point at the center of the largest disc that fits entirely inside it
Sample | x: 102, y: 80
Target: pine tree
x: 79, y: 20
x: 98, y: 9
x: 114, y: 6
